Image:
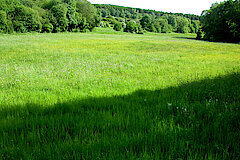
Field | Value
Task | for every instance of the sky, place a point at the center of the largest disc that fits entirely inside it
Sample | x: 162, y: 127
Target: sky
x: 175, y: 6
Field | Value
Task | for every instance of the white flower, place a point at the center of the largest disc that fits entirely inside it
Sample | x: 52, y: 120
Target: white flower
x: 169, y: 104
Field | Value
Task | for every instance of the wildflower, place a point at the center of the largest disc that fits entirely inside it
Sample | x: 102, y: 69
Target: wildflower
x: 169, y: 104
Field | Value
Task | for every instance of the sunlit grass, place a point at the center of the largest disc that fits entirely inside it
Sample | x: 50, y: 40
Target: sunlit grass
x: 91, y: 95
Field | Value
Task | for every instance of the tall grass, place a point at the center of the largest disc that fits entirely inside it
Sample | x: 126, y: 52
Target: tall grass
x: 114, y: 95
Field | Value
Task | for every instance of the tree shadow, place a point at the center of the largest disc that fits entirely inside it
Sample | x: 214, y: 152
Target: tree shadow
x: 196, y: 120
x: 188, y: 38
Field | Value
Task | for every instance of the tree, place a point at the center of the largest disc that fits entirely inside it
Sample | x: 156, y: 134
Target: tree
x: 165, y: 27
x: 59, y: 19
x: 222, y: 22
x: 172, y: 20
x: 89, y: 12
x: 182, y: 25
x: 25, y: 19
x: 146, y: 22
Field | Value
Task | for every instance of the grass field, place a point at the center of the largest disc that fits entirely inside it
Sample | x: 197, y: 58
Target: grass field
x: 115, y: 95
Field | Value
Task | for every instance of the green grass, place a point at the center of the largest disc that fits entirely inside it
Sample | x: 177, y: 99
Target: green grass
x: 115, y: 95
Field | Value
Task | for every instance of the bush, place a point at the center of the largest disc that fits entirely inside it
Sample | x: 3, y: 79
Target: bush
x: 130, y: 27
x: 47, y: 28
x: 104, y: 24
x: 117, y: 26
x: 200, y: 34
x: 133, y: 27
x: 123, y: 25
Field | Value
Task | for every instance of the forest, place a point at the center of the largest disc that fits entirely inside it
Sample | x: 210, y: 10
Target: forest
x: 136, y: 20
x: 220, y: 23
x: 47, y: 16
x: 80, y: 15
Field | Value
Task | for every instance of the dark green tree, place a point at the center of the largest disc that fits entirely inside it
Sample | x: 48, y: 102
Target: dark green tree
x: 146, y: 22
x: 172, y: 20
x: 130, y: 27
x: 222, y: 22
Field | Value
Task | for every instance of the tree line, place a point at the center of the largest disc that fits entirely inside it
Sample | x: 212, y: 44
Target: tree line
x: 136, y: 20
x: 79, y: 15
x: 47, y: 16
x: 220, y: 23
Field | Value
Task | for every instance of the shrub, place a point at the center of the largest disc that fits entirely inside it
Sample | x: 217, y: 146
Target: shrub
x: 200, y: 34
x: 130, y: 27
x: 47, y: 28
x: 117, y: 26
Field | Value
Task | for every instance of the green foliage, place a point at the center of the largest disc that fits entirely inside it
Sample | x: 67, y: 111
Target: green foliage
x: 152, y: 28
x: 200, y: 34
x: 182, y: 25
x: 165, y: 27
x: 157, y: 26
x: 25, y: 19
x: 47, y: 15
x: 146, y: 22
x: 80, y: 15
x: 104, y: 24
x: 222, y: 22
x: 149, y: 20
x: 72, y: 17
x: 47, y: 28
x: 130, y: 27
x: 196, y: 25
x: 3, y: 21
x: 172, y: 20
x: 117, y: 26
x: 133, y: 27
x: 59, y: 19
x: 89, y: 12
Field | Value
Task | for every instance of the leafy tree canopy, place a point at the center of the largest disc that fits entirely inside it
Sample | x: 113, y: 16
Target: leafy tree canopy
x: 222, y: 22
x: 47, y: 15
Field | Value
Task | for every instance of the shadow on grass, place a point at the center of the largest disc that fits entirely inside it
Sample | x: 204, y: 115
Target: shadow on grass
x: 189, y: 38
x: 198, y: 120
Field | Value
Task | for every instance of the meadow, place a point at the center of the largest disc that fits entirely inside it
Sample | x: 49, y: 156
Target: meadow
x: 115, y: 95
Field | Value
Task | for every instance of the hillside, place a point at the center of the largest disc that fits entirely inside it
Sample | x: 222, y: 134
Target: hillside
x: 149, y: 20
